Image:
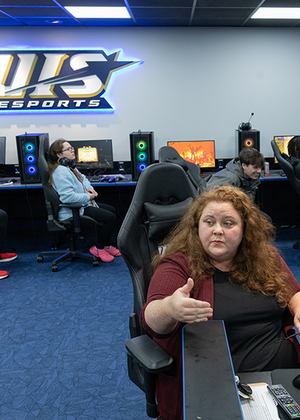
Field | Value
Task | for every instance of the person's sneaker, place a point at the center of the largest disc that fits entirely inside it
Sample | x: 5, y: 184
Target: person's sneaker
x: 101, y: 253
x: 3, y: 274
x: 105, y: 256
x: 7, y: 257
x: 113, y: 251
x: 94, y: 251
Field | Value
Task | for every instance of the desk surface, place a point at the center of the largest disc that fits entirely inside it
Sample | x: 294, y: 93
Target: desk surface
x: 126, y: 181
x: 278, y: 376
x: 30, y: 199
x: 208, y: 374
x: 275, y: 175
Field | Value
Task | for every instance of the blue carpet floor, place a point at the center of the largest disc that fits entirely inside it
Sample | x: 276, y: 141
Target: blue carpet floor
x: 63, y: 334
x: 62, y: 342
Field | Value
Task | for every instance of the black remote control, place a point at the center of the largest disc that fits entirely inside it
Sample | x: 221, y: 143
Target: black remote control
x: 285, y: 400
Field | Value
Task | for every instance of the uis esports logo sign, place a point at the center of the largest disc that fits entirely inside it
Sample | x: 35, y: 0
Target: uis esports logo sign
x: 56, y: 80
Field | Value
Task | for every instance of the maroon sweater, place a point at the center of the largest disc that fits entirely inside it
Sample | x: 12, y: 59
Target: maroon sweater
x: 171, y: 274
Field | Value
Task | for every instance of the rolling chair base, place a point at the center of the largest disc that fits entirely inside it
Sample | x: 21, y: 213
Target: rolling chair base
x: 65, y: 255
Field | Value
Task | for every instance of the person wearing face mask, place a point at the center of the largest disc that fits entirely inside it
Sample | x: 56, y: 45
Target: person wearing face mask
x: 72, y: 186
x: 220, y: 264
x: 242, y: 172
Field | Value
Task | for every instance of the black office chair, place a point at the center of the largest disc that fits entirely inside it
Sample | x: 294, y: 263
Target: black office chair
x: 290, y: 173
x: 170, y: 155
x: 72, y: 228
x: 163, y: 194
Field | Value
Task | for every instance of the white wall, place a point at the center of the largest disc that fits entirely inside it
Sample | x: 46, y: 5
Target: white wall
x: 194, y: 83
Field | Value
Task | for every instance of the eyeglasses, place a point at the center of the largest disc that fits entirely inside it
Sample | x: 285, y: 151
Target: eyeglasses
x: 68, y: 149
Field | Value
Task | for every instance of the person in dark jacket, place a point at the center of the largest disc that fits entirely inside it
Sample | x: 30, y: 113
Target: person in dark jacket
x: 242, y: 172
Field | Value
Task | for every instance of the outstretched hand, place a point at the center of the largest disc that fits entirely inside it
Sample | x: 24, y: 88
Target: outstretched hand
x: 183, y: 308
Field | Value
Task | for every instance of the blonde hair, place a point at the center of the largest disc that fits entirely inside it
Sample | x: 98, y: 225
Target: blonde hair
x: 256, y: 266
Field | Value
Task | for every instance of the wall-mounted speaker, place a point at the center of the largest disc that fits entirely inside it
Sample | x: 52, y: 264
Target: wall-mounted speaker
x: 250, y: 138
x: 28, y: 152
x: 142, y: 152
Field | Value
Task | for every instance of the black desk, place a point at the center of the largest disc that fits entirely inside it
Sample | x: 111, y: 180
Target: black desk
x: 275, y: 196
x: 25, y: 204
x: 278, y: 199
x: 278, y: 376
x: 275, y: 175
x: 208, y: 378
x: 126, y: 181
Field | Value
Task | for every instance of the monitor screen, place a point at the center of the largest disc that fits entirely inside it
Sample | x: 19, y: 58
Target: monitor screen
x: 282, y: 142
x: 93, y: 154
x: 200, y: 152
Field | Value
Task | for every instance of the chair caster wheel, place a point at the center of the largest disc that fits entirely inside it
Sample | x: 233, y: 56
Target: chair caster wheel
x: 40, y: 258
x: 54, y: 268
x: 296, y: 245
x: 95, y: 263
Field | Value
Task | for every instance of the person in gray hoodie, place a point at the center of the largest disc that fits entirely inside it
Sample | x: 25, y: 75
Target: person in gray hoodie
x: 242, y: 172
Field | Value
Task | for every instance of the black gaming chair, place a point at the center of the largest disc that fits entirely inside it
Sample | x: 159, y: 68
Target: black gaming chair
x: 73, y: 228
x: 162, y: 196
x: 290, y: 173
x: 170, y: 155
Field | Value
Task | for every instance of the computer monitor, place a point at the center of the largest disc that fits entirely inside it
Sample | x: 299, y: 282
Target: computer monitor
x: 93, y: 154
x: 200, y: 152
x: 282, y: 142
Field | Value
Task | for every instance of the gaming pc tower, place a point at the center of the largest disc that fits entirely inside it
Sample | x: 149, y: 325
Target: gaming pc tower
x: 142, y: 152
x: 28, y: 153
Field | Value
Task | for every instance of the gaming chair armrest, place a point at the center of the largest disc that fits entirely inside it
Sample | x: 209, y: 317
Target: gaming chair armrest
x: 148, y: 354
x: 75, y: 207
x: 71, y: 205
x: 52, y: 224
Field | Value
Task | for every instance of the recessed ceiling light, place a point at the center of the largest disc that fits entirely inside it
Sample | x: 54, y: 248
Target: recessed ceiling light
x: 98, y: 12
x: 277, y: 13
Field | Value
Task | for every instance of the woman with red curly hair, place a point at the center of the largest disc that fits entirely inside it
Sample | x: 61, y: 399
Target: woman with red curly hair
x: 220, y: 264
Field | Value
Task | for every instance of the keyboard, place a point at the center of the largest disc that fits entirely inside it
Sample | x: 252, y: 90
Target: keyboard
x: 94, y: 178
x: 107, y: 178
